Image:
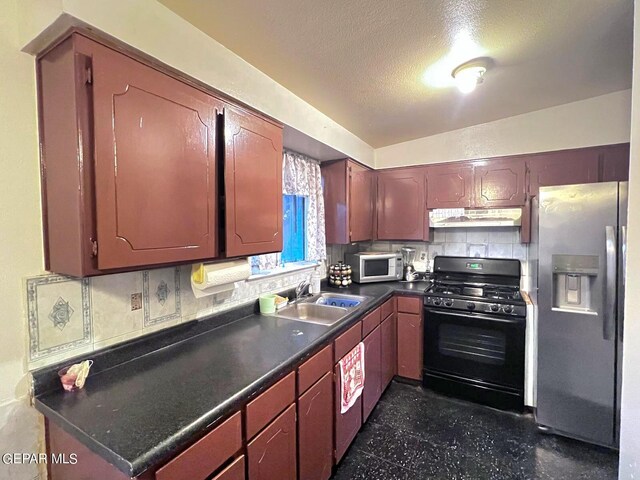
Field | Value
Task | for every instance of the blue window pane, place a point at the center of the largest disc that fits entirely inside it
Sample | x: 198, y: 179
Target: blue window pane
x: 294, y: 228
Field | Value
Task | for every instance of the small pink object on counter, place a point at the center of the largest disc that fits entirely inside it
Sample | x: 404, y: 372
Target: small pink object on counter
x: 351, y: 377
x: 74, y: 376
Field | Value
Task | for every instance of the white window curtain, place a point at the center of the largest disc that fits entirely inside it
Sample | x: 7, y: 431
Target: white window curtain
x: 301, y: 176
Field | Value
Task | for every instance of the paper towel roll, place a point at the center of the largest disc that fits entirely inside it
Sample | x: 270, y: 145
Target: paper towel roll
x: 212, y: 278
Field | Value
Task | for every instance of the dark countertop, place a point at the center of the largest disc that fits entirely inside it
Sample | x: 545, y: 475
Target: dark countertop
x: 143, y: 411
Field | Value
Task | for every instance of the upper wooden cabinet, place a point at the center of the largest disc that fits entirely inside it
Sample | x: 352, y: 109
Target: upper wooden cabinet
x: 348, y: 190
x: 128, y: 162
x: 401, y: 204
x: 253, y: 184
x: 131, y: 161
x: 450, y: 185
x: 499, y: 182
x: 614, y: 163
x: 562, y: 168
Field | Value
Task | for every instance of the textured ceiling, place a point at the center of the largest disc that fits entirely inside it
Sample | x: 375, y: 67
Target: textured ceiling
x: 381, y: 68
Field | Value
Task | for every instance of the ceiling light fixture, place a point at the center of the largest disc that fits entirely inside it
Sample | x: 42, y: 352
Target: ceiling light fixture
x: 470, y: 74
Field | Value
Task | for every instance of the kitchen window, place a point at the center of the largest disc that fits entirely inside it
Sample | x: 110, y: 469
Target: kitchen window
x: 304, y: 242
x: 294, y: 219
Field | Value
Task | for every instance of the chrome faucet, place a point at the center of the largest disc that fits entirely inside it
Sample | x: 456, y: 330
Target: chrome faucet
x: 302, y: 286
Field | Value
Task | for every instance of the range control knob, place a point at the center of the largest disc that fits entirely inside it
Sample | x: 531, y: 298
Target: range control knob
x: 437, y: 301
x: 448, y: 302
x: 471, y: 306
x: 494, y: 308
x: 507, y: 309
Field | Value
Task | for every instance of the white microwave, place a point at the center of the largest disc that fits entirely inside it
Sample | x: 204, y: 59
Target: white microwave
x: 370, y: 267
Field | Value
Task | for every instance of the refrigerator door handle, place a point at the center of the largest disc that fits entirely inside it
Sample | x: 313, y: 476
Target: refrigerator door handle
x: 623, y: 280
x: 609, y: 313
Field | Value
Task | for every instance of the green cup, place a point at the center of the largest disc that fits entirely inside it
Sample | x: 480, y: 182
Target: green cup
x: 267, y: 303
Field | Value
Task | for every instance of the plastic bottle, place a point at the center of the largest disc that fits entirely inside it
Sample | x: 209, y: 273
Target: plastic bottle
x: 315, y: 282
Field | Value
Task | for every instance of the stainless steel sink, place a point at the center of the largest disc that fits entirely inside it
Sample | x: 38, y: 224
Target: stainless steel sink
x: 338, y: 300
x: 313, y: 313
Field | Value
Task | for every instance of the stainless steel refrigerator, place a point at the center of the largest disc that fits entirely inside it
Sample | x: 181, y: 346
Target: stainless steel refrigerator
x: 581, y: 256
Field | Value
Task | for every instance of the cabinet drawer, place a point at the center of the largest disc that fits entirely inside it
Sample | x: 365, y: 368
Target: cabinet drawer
x: 269, y: 404
x: 313, y: 369
x: 347, y: 341
x: 206, y: 455
x: 410, y: 305
x: 235, y: 471
x: 371, y: 321
x: 387, y: 308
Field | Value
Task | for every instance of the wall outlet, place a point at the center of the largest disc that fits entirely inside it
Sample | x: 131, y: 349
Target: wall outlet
x: 136, y: 301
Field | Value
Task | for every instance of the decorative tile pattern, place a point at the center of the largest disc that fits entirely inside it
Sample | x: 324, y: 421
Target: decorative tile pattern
x: 59, y: 315
x: 69, y: 317
x: 165, y: 304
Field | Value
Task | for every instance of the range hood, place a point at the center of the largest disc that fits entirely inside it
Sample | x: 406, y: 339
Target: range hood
x: 465, y: 218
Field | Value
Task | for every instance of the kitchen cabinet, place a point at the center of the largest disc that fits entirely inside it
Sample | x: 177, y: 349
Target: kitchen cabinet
x: 235, y: 471
x: 253, y: 184
x: 315, y: 430
x: 401, y: 211
x: 565, y: 167
x: 132, y: 166
x: 272, y: 453
x: 614, y: 163
x: 128, y: 162
x: 450, y: 185
x: 499, y: 182
x: 268, y: 404
x: 410, y: 337
x: 373, y: 372
x: 346, y: 424
x: 388, y: 349
x: 349, y: 201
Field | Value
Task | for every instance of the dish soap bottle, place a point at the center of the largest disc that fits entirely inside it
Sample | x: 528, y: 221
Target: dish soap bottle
x: 315, y: 282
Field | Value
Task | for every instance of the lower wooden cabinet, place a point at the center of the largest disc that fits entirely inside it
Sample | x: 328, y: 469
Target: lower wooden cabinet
x: 235, y: 471
x: 373, y: 373
x: 315, y: 430
x: 347, y: 424
x: 272, y: 453
x: 388, y: 349
x: 410, y: 339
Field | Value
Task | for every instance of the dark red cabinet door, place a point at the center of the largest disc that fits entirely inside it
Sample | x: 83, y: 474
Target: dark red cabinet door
x: 346, y: 424
x: 155, y: 164
x: 615, y: 163
x: 272, y: 454
x: 315, y: 430
x: 373, y: 372
x: 253, y: 184
x: 410, y: 339
x: 500, y: 182
x: 388, y: 349
x: 361, y: 203
x: 450, y: 186
x: 566, y: 167
x: 401, y: 204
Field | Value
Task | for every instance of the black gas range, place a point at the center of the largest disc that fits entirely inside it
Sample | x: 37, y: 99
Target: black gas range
x: 474, y: 337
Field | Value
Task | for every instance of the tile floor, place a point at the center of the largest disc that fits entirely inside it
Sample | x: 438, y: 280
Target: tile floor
x: 417, y: 434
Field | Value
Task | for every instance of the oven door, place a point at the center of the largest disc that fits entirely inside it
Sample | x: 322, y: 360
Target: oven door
x: 485, y: 349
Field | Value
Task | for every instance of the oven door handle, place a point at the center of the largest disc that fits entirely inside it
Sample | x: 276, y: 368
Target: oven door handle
x: 479, y: 316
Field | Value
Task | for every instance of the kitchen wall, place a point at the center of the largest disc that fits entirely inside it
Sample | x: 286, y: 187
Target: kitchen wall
x: 596, y: 121
x: 156, y: 31
x: 20, y: 241
x: 630, y: 439
x: 68, y: 317
x: 492, y: 242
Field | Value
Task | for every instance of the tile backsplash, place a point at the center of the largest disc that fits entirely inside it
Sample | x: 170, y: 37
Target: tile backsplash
x: 69, y: 316
x: 490, y: 242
